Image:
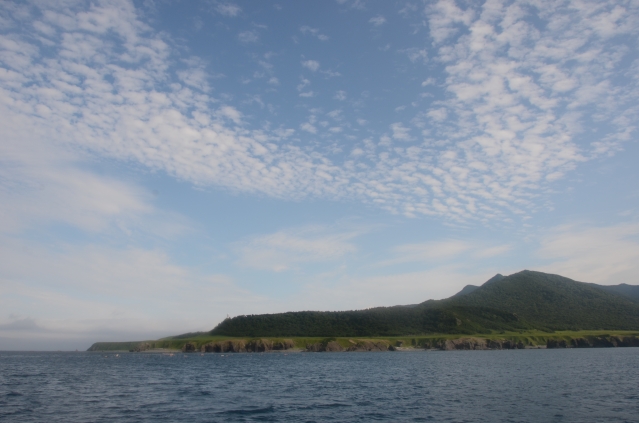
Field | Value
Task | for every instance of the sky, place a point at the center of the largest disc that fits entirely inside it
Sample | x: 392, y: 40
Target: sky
x: 166, y: 164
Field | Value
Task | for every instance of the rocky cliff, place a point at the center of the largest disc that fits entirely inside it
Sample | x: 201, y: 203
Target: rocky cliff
x: 594, y: 342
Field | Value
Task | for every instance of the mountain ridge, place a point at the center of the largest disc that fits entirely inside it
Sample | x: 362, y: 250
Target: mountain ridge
x: 525, y: 300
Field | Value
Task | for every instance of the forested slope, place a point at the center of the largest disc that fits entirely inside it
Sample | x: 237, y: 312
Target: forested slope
x: 523, y: 301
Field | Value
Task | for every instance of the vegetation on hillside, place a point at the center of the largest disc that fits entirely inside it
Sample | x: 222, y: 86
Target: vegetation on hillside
x: 520, y: 302
x: 382, y: 321
x: 553, y: 302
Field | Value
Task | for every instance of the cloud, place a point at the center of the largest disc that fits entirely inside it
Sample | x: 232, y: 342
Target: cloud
x: 447, y: 19
x: 314, y: 32
x: 516, y: 108
x: 521, y: 103
x: 312, y: 65
x: 308, y: 127
x: 231, y: 113
x: 330, y: 73
x: 41, y: 184
x: 282, y: 250
x: 472, y: 253
x: 416, y: 54
x: 427, y: 252
x: 196, y: 78
x: 400, y: 132
x: 588, y: 253
x: 228, y: 9
x: 438, y: 115
x: 489, y: 252
x: 377, y: 20
x: 303, y: 84
x: 248, y: 37
x: 340, y: 95
x: 80, y: 294
x: 26, y: 324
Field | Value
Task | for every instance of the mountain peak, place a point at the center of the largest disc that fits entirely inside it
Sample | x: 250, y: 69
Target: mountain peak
x: 495, y: 278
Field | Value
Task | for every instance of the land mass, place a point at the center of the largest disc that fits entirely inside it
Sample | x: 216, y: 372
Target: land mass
x: 525, y: 309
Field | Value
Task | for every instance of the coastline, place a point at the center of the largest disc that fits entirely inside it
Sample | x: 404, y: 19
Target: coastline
x: 435, y: 342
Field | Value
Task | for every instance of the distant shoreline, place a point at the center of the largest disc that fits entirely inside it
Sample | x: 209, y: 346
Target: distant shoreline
x: 435, y: 342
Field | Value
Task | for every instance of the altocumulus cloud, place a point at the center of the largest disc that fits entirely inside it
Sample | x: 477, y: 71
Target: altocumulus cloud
x: 524, y: 82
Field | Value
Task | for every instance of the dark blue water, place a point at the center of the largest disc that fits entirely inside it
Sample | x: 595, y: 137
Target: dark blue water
x: 579, y: 385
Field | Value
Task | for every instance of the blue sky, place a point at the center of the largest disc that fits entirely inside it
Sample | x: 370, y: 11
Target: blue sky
x: 166, y: 164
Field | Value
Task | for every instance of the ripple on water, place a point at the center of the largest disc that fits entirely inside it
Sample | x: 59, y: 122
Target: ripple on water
x: 483, y: 386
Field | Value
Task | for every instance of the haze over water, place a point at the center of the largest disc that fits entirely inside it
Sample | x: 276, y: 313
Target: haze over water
x: 480, y: 386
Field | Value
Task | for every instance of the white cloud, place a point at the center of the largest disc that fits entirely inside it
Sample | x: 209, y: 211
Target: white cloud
x: 248, y: 37
x: 308, y: 127
x: 494, y: 251
x: 447, y: 18
x: 303, y: 84
x: 416, y: 54
x: 195, y: 77
x: 340, y: 95
x: 312, y: 65
x: 41, y: 183
x: 427, y: 252
x: 400, y: 132
x: 518, y: 101
x: 231, y: 113
x: 330, y: 73
x: 314, y: 32
x: 428, y: 81
x: 600, y: 254
x: 282, y: 250
x: 472, y: 253
x: 228, y: 9
x: 77, y: 295
x: 438, y: 115
x: 377, y: 20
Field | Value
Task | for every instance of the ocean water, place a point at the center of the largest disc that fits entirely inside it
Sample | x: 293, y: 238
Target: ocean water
x: 571, y: 385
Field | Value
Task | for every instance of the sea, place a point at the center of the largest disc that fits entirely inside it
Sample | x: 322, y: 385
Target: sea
x: 562, y: 385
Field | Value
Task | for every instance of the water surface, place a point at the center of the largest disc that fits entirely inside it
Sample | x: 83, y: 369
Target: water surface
x: 572, y: 385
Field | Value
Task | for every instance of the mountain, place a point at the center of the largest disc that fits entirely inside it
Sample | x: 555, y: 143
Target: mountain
x: 466, y: 290
x: 554, y: 302
x: 625, y: 290
x: 522, y: 301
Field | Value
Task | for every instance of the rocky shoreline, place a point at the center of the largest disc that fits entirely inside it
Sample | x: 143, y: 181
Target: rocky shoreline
x: 364, y: 345
x: 595, y: 342
x: 260, y: 345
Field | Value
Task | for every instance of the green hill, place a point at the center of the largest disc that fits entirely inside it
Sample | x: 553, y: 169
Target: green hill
x: 629, y: 291
x: 553, y: 302
x: 523, y: 301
